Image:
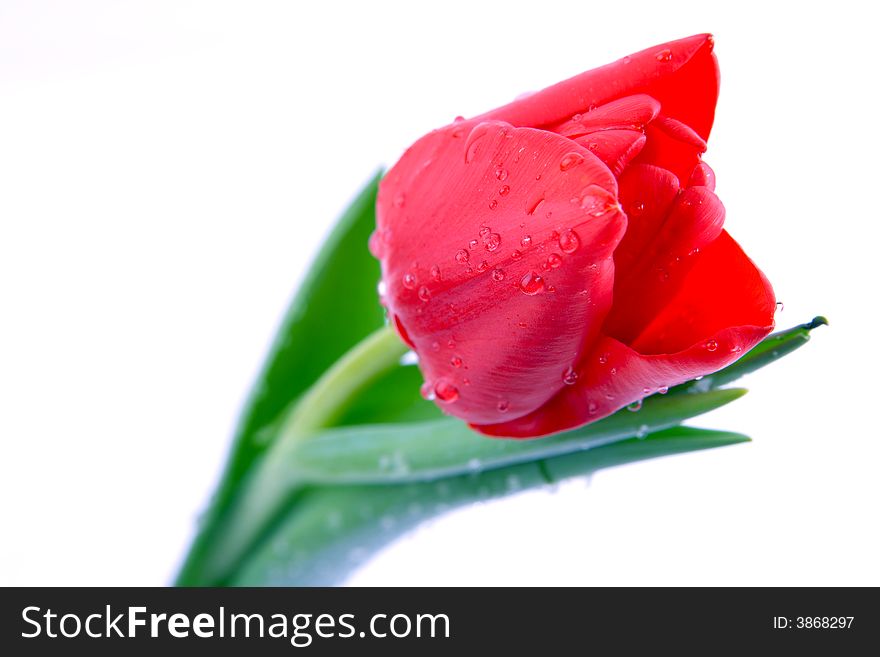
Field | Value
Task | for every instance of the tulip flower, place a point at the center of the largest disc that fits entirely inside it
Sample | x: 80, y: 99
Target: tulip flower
x: 563, y: 256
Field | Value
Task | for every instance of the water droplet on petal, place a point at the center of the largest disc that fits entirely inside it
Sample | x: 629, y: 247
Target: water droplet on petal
x: 516, y: 255
x: 531, y: 284
x: 592, y: 408
x: 435, y: 272
x: 503, y: 406
x: 424, y: 293
x: 569, y: 376
x: 597, y: 200
x: 663, y: 390
x: 635, y: 406
x: 492, y: 241
x: 534, y: 205
x: 498, y: 275
x: 504, y: 191
x: 409, y: 281
x: 473, y: 244
x: 603, y: 358
x: 456, y: 361
x: 501, y: 174
x: 427, y: 391
x: 493, y: 204
x: 627, y: 59
x: 462, y: 256
x: 554, y: 260
x: 445, y: 391
x: 526, y: 241
x: 664, y: 55
x: 570, y: 161
x: 711, y: 345
x: 569, y: 241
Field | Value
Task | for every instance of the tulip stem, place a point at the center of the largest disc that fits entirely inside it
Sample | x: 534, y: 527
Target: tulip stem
x: 271, y: 483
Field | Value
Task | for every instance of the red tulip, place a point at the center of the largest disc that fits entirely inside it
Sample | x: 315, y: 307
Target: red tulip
x: 563, y: 256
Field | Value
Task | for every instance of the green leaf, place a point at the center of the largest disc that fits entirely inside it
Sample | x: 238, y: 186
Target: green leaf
x: 444, y: 448
x: 333, y: 529
x: 769, y: 350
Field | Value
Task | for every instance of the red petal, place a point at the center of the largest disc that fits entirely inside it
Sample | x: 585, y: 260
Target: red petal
x: 646, y: 284
x: 630, y: 112
x: 724, y: 309
x: 682, y: 75
x: 516, y: 193
x: 616, y: 148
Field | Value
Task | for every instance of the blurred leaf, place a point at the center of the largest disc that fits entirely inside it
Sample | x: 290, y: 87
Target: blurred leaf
x: 332, y: 530
x: 334, y: 309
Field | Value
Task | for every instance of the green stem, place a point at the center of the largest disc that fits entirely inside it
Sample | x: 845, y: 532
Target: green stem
x: 269, y: 485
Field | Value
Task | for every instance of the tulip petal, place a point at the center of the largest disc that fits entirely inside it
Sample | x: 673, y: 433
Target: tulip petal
x: 630, y: 112
x: 682, y: 75
x: 500, y: 265
x: 646, y: 284
x: 616, y: 148
x: 724, y: 309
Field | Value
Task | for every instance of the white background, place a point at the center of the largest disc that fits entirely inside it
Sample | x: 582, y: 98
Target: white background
x: 168, y: 168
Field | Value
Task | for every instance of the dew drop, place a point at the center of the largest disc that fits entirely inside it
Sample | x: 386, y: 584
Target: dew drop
x: 663, y: 390
x: 554, y: 260
x: 492, y: 241
x: 780, y: 306
x: 504, y: 191
x: 376, y: 244
x: 627, y: 59
x: 603, y: 358
x: 664, y: 55
x: 569, y: 241
x: 456, y: 361
x: 435, y: 272
x: 424, y: 293
x: 462, y: 256
x: 399, y: 200
x: 474, y: 465
x: 445, y: 391
x: 711, y: 345
x: 473, y: 244
x: 484, y: 265
x: 516, y: 255
x: 597, y: 200
x: 637, y: 209
x: 526, y: 241
x: 473, y: 142
x: 381, y: 288
x: 642, y: 432
x: 503, y: 406
x: 409, y: 281
x: 427, y: 391
x: 569, y: 376
x: 498, y: 275
x: 570, y: 161
x: 592, y: 408
x: 635, y: 406
x: 493, y: 204
x: 533, y: 207
x: 531, y: 284
x: 501, y: 174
